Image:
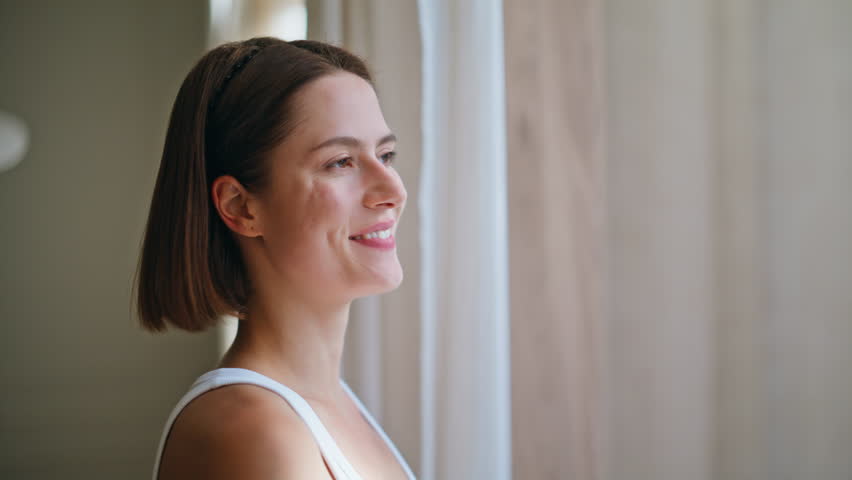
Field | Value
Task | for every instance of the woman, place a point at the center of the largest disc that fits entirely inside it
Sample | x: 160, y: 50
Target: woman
x: 277, y: 202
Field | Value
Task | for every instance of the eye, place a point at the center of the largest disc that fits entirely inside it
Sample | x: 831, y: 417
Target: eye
x: 388, y: 158
x: 342, y: 163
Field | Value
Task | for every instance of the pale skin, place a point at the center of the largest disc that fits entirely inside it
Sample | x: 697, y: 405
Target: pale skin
x: 330, y: 179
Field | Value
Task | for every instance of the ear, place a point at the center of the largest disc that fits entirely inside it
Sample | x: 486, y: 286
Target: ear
x: 235, y: 206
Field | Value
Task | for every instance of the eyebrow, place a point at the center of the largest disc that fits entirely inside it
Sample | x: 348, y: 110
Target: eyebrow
x: 352, y: 141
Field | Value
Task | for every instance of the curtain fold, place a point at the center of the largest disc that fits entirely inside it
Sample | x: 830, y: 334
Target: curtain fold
x: 557, y: 212
x: 464, y: 302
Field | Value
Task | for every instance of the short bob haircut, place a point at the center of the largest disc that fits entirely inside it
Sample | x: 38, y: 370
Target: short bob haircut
x: 233, y: 108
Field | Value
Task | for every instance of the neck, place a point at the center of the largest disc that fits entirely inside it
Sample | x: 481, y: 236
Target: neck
x: 294, y: 343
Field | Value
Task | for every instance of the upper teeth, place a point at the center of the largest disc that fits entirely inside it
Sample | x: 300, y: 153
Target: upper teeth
x: 376, y: 234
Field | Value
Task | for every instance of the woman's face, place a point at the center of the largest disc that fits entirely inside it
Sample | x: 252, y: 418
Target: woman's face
x: 328, y: 215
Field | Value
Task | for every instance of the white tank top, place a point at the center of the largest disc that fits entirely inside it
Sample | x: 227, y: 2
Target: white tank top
x: 340, y: 468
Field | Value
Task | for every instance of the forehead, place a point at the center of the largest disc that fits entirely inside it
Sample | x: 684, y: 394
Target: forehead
x: 341, y: 104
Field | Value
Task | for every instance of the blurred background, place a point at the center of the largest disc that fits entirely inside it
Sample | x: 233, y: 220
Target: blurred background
x: 628, y: 246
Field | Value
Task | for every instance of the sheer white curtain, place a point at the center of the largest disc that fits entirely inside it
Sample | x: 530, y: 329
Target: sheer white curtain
x: 465, y: 343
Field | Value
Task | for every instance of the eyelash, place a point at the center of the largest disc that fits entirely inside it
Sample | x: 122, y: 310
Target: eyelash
x: 340, y: 163
x: 387, y: 158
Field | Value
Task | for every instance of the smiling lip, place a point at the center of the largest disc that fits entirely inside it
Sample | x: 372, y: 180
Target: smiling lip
x: 380, y: 243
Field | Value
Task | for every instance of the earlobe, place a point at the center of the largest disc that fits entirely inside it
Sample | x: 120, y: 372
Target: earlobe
x: 232, y: 200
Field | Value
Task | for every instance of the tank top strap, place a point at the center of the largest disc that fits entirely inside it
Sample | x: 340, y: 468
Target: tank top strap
x: 337, y: 463
x: 378, y: 428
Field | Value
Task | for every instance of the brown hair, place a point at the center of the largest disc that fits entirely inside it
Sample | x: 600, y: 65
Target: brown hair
x: 235, y: 105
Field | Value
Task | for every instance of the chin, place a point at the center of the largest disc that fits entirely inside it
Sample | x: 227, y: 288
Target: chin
x: 384, y: 283
x: 394, y: 283
x: 390, y: 282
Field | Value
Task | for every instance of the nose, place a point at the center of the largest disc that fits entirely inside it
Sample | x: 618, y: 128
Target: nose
x: 384, y: 186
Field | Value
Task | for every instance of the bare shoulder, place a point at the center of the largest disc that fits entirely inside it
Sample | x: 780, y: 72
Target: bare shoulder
x: 240, y: 431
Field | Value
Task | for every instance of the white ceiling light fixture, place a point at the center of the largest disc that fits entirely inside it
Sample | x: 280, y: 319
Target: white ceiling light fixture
x: 14, y: 140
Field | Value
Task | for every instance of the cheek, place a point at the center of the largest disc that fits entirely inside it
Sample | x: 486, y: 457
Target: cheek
x: 310, y: 223
x: 316, y: 218
x: 326, y: 209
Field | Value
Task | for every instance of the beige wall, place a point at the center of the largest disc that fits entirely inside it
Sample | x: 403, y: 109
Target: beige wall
x: 84, y: 391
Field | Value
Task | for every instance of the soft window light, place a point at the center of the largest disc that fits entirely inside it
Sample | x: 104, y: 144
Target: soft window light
x: 14, y: 139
